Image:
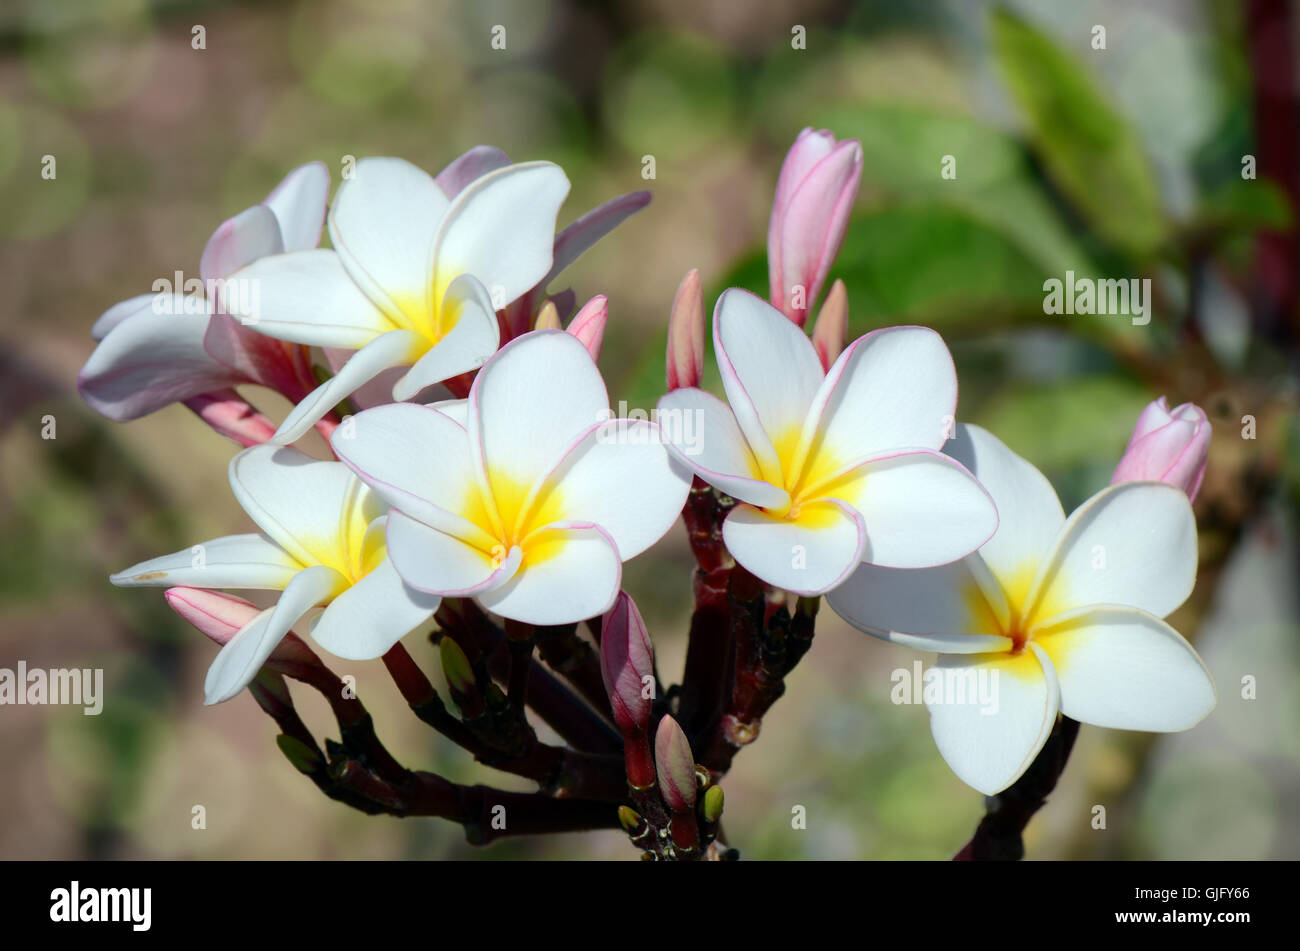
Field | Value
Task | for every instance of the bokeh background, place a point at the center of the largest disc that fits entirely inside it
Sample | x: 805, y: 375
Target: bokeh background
x: 1123, y: 162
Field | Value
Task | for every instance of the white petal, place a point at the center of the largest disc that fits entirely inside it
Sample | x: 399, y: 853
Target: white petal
x: 1124, y: 669
x: 940, y: 609
x: 990, y: 740
x: 810, y: 555
x: 469, y: 166
x: 124, y: 309
x: 366, y: 620
x: 579, y: 577
x: 307, y: 297
x: 245, y: 653
x: 455, y: 410
x: 253, y: 233
x: 438, y: 563
x: 620, y: 477
x: 1132, y: 544
x: 397, y: 348
x: 770, y: 372
x: 419, y: 461
x: 299, y: 205
x: 531, y: 402
x: 383, y: 224
x: 919, y: 508
x: 149, y: 360
x: 317, y: 511
x: 232, y: 561
x: 1029, y: 513
x: 891, y: 389
x: 702, y: 432
x: 465, y: 347
x: 501, y: 229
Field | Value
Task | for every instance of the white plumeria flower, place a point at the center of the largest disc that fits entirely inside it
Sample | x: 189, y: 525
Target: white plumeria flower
x: 1060, y: 615
x: 528, y: 496
x: 832, y: 468
x: 414, y: 278
x: 322, y: 543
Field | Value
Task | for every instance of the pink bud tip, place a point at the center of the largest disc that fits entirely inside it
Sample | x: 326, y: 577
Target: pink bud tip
x: 831, y: 331
x: 221, y: 616
x: 676, y: 766
x: 588, y: 325
x: 810, y: 213
x: 1170, y: 446
x: 627, y: 664
x: 686, y: 333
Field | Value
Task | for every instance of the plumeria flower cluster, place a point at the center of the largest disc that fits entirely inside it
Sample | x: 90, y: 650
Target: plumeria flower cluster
x: 483, y: 485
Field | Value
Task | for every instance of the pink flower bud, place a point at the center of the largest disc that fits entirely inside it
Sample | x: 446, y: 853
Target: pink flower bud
x: 814, y: 195
x: 221, y: 616
x: 588, y: 325
x: 831, y: 330
x: 676, y: 766
x: 1167, y: 446
x: 686, y: 334
x: 626, y: 660
x: 231, y: 415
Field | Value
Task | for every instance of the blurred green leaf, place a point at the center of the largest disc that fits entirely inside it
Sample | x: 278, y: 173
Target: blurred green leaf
x: 902, y: 151
x: 1087, y: 147
x: 1241, y: 205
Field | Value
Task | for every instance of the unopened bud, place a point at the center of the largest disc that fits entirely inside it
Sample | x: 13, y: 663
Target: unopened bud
x: 675, y: 764
x: 712, y: 806
x: 548, y: 318
x: 627, y: 664
x: 685, y: 361
x: 831, y: 330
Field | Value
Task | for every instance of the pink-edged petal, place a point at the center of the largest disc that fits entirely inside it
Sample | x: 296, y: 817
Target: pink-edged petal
x: 232, y: 416
x: 570, y: 572
x: 531, y: 402
x: 809, y: 148
x: 501, y: 229
x: 232, y: 561
x: 376, y: 612
x: 419, y: 461
x: 1029, y: 513
x: 221, y: 616
x: 810, y: 554
x: 891, y: 389
x: 702, y: 432
x: 437, y: 563
x: 940, y: 609
x: 240, y: 660
x: 456, y: 410
x: 299, y: 203
x: 383, y: 224
x: 468, y: 167
x: 1124, y: 669
x: 1132, y: 544
x: 920, y: 509
x: 239, y: 241
x: 465, y: 347
x: 993, y: 713
x: 620, y: 477
x: 578, y: 237
x: 397, y: 348
x: 150, y: 360
x: 307, y: 297
x: 770, y: 372
x: 309, y: 507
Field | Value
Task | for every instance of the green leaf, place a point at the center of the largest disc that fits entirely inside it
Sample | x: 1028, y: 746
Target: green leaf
x: 1086, y: 146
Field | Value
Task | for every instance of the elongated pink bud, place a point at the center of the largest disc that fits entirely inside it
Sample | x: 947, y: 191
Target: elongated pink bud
x: 810, y: 212
x: 685, y: 360
x: 831, y: 330
x: 675, y: 764
x: 1167, y: 446
x: 221, y: 616
x: 231, y: 415
x: 588, y: 325
x: 627, y: 665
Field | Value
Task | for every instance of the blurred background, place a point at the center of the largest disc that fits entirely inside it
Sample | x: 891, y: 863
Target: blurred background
x: 1122, y: 161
